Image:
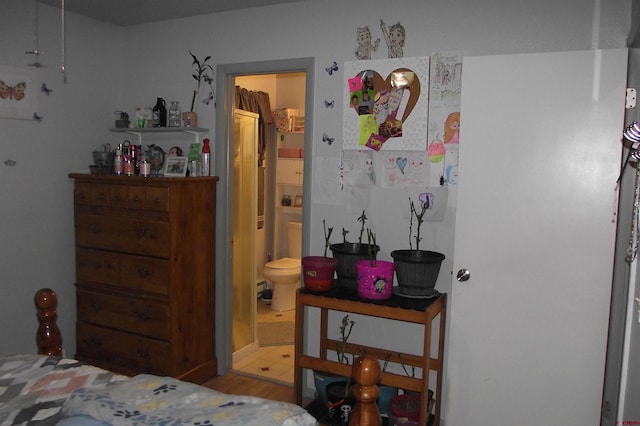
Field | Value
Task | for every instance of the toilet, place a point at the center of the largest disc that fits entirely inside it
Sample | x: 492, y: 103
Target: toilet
x: 284, y: 274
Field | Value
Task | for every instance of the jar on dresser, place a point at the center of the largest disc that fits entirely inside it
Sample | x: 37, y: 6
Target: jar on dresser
x: 145, y: 256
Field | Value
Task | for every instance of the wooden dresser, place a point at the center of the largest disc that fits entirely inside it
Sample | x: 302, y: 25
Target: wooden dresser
x: 145, y: 278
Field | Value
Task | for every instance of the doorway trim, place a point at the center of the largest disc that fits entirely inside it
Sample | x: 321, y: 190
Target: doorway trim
x: 225, y: 76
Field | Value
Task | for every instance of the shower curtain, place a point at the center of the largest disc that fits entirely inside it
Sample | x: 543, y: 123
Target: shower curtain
x: 258, y: 102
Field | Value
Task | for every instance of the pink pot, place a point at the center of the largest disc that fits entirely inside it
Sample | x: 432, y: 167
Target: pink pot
x: 317, y: 272
x: 375, y: 282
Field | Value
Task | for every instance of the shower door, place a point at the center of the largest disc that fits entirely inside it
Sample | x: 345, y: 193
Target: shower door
x: 244, y: 219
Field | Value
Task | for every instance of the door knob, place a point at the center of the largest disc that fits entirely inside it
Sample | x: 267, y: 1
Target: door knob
x: 463, y: 275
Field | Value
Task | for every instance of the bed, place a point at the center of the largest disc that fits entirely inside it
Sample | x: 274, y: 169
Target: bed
x: 47, y: 389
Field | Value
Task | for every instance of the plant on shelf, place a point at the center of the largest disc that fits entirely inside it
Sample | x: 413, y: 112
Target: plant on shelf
x: 318, y: 271
x: 347, y: 254
x: 375, y: 277
x: 417, y: 270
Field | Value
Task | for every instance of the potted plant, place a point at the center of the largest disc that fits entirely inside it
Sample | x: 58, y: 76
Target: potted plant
x: 417, y: 270
x: 347, y: 254
x: 202, y: 73
x: 321, y: 379
x: 375, y: 277
x: 318, y: 271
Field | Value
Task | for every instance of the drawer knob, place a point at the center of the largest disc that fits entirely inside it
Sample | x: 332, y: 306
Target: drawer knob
x: 142, y: 316
x: 140, y: 231
x: 95, y: 229
x: 101, y: 196
x: 93, y: 342
x: 95, y: 306
x: 143, y: 273
x: 143, y: 352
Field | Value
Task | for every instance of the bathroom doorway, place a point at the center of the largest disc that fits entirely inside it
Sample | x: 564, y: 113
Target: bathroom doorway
x: 227, y: 342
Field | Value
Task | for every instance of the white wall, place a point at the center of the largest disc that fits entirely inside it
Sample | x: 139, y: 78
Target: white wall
x: 110, y: 68
x: 36, y: 199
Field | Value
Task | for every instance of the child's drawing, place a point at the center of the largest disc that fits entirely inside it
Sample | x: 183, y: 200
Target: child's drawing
x: 452, y: 128
x: 364, y: 43
x: 394, y: 36
x: 403, y: 169
x: 446, y: 73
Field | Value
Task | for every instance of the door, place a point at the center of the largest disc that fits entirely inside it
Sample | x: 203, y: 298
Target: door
x: 244, y: 218
x: 535, y: 226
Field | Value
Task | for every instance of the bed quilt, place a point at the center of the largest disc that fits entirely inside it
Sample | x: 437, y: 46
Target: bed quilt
x: 154, y: 400
x: 34, y: 388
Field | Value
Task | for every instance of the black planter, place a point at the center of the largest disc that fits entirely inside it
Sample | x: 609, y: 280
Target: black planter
x: 340, y: 402
x: 417, y: 270
x: 347, y: 255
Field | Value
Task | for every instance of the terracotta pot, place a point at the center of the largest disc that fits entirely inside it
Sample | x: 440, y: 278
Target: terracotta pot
x: 190, y: 119
x: 317, y: 272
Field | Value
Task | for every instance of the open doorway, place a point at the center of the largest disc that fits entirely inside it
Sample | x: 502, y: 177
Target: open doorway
x: 227, y: 78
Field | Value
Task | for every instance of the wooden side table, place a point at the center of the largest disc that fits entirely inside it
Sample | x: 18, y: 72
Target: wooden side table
x: 418, y: 311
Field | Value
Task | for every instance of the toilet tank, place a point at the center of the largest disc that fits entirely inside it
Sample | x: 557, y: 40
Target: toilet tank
x: 294, y: 239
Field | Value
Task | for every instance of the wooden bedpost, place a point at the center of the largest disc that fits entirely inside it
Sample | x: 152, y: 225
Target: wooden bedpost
x: 366, y: 372
x: 48, y: 338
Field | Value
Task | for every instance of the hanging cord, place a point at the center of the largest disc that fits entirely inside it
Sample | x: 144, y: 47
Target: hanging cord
x: 62, y: 31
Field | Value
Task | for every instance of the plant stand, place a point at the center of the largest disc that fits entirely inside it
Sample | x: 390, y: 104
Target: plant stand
x: 417, y: 311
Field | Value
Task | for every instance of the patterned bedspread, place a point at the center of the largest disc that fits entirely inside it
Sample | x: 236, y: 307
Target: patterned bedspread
x: 153, y: 400
x: 41, y: 390
x: 34, y: 388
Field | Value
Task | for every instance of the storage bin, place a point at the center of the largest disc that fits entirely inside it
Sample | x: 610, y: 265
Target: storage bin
x: 283, y: 118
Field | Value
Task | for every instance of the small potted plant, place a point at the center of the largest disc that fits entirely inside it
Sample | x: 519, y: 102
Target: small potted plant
x: 375, y: 277
x: 202, y: 73
x: 322, y: 379
x: 318, y: 271
x: 417, y: 270
x: 347, y: 254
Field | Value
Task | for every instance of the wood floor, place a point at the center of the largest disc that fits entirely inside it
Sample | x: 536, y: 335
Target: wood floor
x: 242, y: 385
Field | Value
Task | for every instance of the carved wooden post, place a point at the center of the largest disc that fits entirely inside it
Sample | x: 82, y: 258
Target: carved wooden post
x: 366, y: 373
x: 48, y: 338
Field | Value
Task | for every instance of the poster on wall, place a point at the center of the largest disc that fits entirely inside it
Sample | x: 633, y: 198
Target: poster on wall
x: 444, y: 116
x: 386, y: 104
x: 18, y: 94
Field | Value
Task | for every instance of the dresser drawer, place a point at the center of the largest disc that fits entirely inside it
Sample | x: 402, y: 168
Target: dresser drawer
x: 137, y: 316
x: 97, y: 266
x: 119, y: 348
x: 148, y: 198
x: 123, y: 234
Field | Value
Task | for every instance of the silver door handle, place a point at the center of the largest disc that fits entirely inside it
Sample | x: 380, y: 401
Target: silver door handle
x: 463, y: 275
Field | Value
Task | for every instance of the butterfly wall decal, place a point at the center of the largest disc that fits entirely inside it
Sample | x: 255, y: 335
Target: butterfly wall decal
x: 328, y: 104
x: 16, y: 92
x: 327, y: 139
x: 332, y: 68
x: 209, y: 98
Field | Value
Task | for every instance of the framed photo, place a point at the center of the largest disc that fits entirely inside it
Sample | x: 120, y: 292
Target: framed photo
x: 175, y: 166
x: 298, y: 201
x: 18, y: 92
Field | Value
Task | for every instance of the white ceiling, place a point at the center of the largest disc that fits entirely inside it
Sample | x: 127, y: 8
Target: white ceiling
x: 132, y: 12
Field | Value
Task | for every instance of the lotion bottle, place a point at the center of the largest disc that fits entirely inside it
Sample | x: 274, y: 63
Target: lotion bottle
x: 206, y: 158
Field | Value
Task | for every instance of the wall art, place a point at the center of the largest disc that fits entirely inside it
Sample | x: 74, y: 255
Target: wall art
x: 18, y: 92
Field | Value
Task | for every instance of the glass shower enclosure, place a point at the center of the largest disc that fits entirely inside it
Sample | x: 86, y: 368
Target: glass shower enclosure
x: 245, y: 217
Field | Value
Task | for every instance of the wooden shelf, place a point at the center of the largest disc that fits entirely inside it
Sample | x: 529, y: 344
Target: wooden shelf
x: 418, y: 311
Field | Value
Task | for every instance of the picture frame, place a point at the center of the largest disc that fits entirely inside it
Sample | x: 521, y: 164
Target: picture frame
x: 298, y: 201
x: 175, y: 167
x: 18, y: 92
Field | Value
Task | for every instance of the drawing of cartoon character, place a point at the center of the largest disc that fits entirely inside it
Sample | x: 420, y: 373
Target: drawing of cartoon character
x: 364, y: 43
x: 452, y: 128
x: 394, y: 37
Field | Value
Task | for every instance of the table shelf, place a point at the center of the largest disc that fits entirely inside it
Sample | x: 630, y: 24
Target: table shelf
x: 417, y: 311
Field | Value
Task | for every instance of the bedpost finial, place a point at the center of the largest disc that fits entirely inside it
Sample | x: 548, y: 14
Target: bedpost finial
x: 48, y: 337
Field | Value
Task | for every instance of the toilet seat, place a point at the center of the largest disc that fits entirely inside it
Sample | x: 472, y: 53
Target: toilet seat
x: 284, y: 263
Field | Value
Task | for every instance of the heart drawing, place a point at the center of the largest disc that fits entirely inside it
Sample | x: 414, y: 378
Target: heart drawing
x: 390, y: 100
